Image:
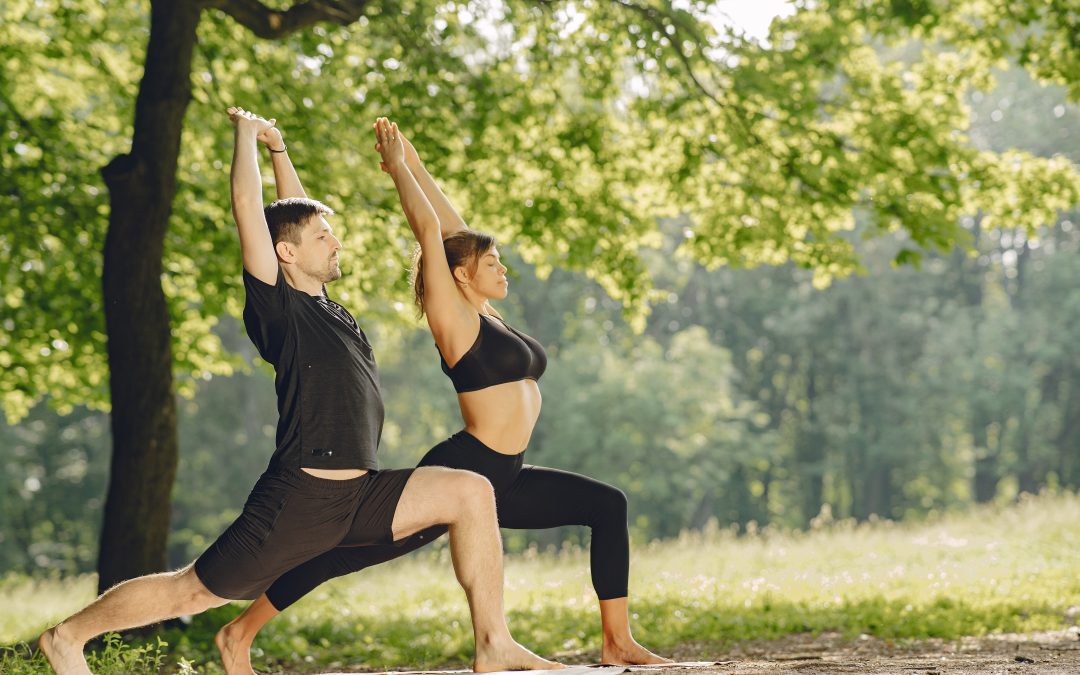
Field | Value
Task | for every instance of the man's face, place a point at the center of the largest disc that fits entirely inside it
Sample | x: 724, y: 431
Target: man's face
x: 317, y: 254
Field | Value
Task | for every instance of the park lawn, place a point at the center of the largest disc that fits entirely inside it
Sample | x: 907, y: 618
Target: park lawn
x: 995, y: 569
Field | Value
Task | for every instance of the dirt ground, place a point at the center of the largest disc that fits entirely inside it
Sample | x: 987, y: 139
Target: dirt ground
x: 1049, y: 653
x: 1056, y: 652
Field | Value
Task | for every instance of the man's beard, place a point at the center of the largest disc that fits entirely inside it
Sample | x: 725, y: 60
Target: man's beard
x: 326, y: 274
x: 333, y: 273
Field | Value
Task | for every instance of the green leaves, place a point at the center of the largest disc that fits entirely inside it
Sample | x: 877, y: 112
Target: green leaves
x: 59, y: 103
x: 567, y: 131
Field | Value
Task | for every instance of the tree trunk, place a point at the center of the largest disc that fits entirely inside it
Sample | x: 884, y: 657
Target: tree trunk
x: 810, y: 449
x: 743, y: 505
x: 986, y: 458
x: 1027, y: 469
x: 141, y: 188
x: 986, y: 470
x: 705, y: 511
x: 1067, y: 441
x: 877, y: 491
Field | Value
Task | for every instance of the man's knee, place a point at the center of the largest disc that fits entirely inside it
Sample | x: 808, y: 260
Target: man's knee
x: 194, y: 592
x: 468, y: 492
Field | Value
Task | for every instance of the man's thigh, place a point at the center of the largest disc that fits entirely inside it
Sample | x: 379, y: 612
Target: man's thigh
x: 436, y: 495
x: 282, y: 525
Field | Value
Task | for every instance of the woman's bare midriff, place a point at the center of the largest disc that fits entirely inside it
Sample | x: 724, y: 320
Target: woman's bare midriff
x: 502, y: 416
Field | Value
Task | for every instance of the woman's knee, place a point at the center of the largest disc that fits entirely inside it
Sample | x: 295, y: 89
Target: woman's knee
x: 610, y: 506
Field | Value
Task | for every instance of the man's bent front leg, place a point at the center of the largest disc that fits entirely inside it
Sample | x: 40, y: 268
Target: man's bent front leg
x: 465, y: 501
x: 130, y: 604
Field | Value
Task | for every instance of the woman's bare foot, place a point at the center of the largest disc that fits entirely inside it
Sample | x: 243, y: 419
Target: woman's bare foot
x: 235, y: 648
x: 623, y: 653
x: 65, y: 656
x: 509, y: 655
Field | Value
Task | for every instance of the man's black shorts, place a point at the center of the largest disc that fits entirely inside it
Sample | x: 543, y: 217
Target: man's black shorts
x: 290, y: 518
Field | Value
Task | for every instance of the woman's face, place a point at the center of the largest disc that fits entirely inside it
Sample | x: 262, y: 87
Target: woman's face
x: 489, y: 279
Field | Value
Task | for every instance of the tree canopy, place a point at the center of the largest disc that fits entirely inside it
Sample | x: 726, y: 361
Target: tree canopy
x: 567, y: 129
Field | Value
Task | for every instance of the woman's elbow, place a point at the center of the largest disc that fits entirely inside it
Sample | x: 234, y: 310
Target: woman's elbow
x: 427, y: 229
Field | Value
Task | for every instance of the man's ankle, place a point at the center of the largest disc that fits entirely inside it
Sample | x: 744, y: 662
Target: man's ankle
x: 493, y: 637
x: 61, y: 632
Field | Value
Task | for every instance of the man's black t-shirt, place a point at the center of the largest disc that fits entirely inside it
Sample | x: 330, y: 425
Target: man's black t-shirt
x: 330, y: 410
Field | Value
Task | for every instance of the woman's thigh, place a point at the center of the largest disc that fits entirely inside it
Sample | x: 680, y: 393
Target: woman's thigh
x: 542, y: 498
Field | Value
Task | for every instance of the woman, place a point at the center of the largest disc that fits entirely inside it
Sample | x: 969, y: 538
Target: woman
x: 494, y: 369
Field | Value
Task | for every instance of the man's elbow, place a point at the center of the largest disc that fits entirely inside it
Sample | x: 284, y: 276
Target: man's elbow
x: 243, y: 199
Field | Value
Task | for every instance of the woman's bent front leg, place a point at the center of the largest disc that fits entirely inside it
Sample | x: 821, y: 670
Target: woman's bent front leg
x: 543, y: 498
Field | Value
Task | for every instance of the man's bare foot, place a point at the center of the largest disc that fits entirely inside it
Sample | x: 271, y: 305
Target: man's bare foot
x: 235, y: 648
x: 509, y: 656
x: 66, y: 657
x: 629, y: 654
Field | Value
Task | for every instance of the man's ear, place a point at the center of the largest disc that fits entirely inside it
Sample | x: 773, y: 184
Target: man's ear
x: 286, y: 252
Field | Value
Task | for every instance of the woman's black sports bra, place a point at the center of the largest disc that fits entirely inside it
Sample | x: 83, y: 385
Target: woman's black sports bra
x: 500, y: 354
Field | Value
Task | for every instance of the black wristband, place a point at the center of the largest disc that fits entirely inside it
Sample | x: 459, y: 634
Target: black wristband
x: 283, y: 149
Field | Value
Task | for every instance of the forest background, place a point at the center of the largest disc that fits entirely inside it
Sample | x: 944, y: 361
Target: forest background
x: 831, y: 274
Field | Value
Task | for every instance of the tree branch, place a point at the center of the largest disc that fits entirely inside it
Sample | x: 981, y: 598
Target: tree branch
x: 272, y: 24
x: 657, y: 19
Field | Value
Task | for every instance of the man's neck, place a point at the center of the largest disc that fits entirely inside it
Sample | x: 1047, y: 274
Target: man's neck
x: 302, y: 282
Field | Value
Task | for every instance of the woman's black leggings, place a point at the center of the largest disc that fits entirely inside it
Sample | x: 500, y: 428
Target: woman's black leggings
x: 527, y: 498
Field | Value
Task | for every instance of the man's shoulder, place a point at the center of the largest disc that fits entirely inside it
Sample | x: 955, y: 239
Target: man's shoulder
x: 264, y: 281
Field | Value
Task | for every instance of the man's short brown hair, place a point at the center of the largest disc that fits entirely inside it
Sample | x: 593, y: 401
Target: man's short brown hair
x: 286, y: 217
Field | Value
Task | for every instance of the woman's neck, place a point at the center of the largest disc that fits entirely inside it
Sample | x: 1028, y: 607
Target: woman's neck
x: 478, y: 302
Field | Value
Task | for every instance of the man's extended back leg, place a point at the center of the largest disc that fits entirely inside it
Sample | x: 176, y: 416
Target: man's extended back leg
x: 130, y: 604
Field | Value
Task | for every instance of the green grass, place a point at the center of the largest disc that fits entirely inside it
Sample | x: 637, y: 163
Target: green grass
x: 1009, y: 569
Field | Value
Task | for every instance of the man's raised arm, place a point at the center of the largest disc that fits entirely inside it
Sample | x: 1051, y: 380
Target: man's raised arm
x: 285, y: 178
x: 256, y: 246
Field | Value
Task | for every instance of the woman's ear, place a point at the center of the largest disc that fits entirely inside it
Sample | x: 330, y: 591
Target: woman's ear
x: 461, y: 276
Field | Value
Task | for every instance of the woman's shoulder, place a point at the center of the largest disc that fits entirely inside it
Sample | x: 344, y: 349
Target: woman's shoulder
x: 491, y: 311
x: 458, y: 336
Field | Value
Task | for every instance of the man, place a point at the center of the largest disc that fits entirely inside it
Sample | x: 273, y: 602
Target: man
x: 322, y: 488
